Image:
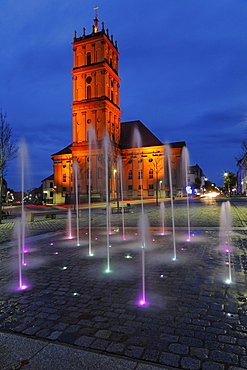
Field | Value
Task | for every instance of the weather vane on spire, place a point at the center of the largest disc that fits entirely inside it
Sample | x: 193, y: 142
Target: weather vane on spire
x: 96, y: 8
x: 96, y: 21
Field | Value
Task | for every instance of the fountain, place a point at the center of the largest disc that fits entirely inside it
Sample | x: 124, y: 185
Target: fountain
x: 184, y: 170
x: 75, y: 171
x: 106, y: 143
x: 162, y: 218
x: 168, y: 158
x: 91, y: 138
x: 225, y: 230
x: 69, y: 225
x: 143, y: 227
x: 120, y: 169
x: 137, y: 143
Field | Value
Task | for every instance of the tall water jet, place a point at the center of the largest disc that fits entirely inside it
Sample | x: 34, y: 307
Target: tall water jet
x: 106, y: 143
x: 69, y: 225
x: 168, y: 158
x: 137, y: 144
x: 75, y: 172
x: 143, y: 227
x: 23, y: 158
x: 120, y: 170
x: 184, y: 176
x: 225, y: 230
x: 91, y: 138
x: 162, y: 217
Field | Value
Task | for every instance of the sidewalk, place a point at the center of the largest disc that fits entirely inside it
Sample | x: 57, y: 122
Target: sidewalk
x: 18, y: 352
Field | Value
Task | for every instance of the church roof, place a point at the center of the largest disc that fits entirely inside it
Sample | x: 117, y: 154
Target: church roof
x: 127, y: 135
x: 177, y: 144
x: 65, y: 150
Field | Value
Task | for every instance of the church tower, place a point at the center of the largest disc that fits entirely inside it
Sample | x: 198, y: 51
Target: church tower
x: 95, y: 115
x: 95, y: 87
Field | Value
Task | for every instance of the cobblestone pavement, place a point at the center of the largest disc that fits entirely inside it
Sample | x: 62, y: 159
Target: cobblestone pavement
x: 192, y: 319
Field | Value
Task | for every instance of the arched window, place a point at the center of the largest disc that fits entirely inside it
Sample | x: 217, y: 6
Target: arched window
x: 64, y: 177
x: 88, y: 92
x: 130, y: 176
x: 140, y: 174
x: 89, y: 58
x: 151, y: 174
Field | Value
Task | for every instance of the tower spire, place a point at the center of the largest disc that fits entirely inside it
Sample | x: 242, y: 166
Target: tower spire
x: 96, y: 21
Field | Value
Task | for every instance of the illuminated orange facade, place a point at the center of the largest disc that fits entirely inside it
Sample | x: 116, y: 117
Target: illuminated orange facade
x: 95, y: 115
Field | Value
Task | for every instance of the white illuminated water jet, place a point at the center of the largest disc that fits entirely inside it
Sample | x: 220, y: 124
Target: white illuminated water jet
x: 106, y: 143
x: 168, y: 156
x: 75, y: 172
x: 91, y: 138
x: 120, y: 169
x: 69, y: 225
x: 143, y: 227
x: 137, y: 143
x: 184, y: 170
x: 225, y: 231
x: 162, y: 217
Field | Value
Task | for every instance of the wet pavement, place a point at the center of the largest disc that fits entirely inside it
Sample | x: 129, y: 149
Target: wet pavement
x: 192, y: 318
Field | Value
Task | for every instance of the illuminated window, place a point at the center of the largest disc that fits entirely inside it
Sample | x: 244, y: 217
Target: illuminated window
x: 130, y: 176
x: 64, y: 177
x: 151, y: 174
x: 89, y: 58
x: 140, y: 174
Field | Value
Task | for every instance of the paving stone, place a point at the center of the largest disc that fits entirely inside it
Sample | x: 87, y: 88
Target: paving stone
x: 191, y: 341
x: 227, y: 339
x: 134, y: 351
x: 190, y: 363
x: 179, y: 348
x: 105, y: 334
x: 117, y: 348
x: 54, y: 335
x: 210, y: 365
x: 169, y: 359
x: 201, y: 353
x: 84, y: 341
x: 225, y: 357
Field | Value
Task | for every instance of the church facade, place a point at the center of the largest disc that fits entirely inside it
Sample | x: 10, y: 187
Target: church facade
x: 128, y: 152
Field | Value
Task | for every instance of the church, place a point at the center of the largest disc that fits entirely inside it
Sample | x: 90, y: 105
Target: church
x: 132, y: 156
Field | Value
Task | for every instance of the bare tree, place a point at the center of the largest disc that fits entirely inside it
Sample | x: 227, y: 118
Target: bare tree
x: 8, y: 151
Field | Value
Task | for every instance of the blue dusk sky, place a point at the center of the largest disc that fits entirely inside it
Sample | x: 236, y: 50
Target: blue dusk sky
x: 183, y: 66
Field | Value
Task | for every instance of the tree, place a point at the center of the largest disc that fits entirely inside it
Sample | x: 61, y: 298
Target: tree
x: 8, y: 151
x: 229, y: 182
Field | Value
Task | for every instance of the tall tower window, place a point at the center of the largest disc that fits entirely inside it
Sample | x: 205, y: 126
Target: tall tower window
x: 151, y: 174
x: 140, y: 174
x: 89, y: 92
x: 130, y: 176
x: 89, y: 174
x: 89, y: 59
x: 64, y: 177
